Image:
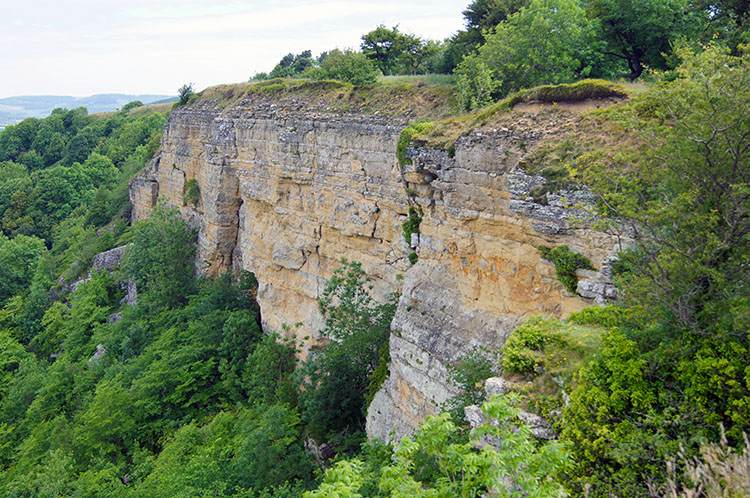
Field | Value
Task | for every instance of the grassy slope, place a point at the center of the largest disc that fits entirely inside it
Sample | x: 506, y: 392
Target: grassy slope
x: 542, y: 357
x: 445, y: 132
x: 137, y: 112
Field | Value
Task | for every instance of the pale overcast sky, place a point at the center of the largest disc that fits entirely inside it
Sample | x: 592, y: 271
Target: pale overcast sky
x: 84, y: 47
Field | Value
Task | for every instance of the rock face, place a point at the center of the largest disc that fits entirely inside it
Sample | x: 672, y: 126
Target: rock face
x: 286, y: 191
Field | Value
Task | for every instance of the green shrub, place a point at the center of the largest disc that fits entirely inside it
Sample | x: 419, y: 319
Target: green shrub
x: 460, y: 467
x: 314, y: 73
x: 547, y: 345
x: 191, y: 194
x: 566, y: 263
x: 545, y: 354
x: 132, y: 105
x: 468, y: 373
x: 352, y: 67
x: 411, y: 225
x: 522, y: 350
x: 405, y: 139
x: 413, y: 258
x: 379, y: 374
x: 476, y: 85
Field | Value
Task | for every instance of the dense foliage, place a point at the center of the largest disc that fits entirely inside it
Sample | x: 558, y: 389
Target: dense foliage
x: 183, y: 383
x: 64, y: 198
x: 162, y: 272
x: 72, y: 165
x: 516, y: 55
x: 468, y: 374
x: 439, y: 463
x: 182, y: 394
x: 678, y: 369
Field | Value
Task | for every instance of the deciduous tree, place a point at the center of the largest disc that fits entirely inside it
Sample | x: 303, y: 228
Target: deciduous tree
x: 161, y: 259
x: 546, y: 42
x: 640, y: 32
x: 338, y: 376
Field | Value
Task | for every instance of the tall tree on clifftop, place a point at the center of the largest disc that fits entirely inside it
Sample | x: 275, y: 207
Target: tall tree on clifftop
x: 640, y: 33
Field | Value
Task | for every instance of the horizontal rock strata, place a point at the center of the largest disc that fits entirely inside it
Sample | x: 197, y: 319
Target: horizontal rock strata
x: 287, y: 193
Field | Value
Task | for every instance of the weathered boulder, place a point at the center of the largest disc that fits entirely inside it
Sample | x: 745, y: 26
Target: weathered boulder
x: 98, y: 355
x: 109, y: 261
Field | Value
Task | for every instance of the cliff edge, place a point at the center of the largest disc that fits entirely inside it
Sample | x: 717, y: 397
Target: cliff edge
x: 285, y: 180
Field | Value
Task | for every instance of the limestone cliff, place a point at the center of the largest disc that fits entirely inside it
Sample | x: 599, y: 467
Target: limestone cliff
x: 290, y: 182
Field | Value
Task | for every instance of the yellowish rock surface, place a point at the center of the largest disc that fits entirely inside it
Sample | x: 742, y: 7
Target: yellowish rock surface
x: 287, y: 192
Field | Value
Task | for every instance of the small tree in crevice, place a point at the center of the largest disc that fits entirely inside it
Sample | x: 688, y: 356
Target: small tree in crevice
x: 191, y: 194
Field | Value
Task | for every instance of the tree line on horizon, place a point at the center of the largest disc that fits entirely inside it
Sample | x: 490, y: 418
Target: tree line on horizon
x: 507, y: 45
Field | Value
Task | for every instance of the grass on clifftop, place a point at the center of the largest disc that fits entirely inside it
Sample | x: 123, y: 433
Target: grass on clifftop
x: 430, y: 100
x: 549, y: 347
x: 567, y: 92
x: 137, y: 112
x: 408, y: 98
x: 444, y: 133
x: 423, y: 79
x: 591, y: 135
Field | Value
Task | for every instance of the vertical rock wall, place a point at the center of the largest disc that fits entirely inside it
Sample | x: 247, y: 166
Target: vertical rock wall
x: 287, y: 194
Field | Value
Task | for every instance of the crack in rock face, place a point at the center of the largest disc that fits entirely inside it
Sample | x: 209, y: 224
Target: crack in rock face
x: 287, y: 191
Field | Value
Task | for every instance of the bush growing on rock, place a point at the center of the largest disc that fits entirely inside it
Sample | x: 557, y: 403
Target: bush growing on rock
x: 566, y: 263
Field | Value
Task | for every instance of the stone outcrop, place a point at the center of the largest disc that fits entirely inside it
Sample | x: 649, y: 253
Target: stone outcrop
x: 540, y: 428
x: 288, y: 190
x: 109, y: 261
x: 98, y: 355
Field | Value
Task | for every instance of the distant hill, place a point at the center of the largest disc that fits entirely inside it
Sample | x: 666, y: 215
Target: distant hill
x: 14, y: 109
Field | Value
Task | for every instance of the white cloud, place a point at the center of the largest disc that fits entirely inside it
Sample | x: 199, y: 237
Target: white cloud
x: 80, y: 47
